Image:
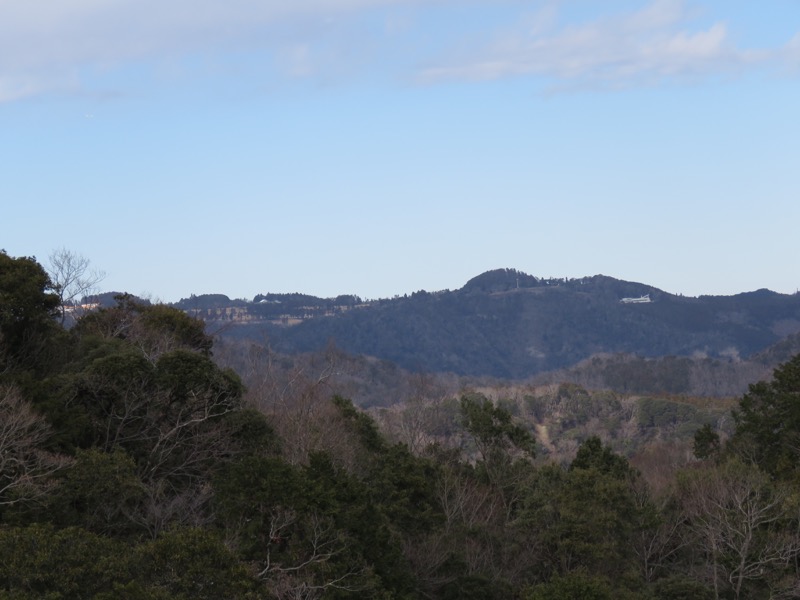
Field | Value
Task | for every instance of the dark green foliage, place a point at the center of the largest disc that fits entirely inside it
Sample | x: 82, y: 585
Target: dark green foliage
x: 189, y: 377
x: 361, y: 424
x: 593, y: 454
x: 277, y: 508
x: 100, y: 492
x: 250, y: 492
x: 768, y: 421
x: 28, y: 307
x: 656, y: 412
x: 706, y: 443
x: 173, y: 491
x: 153, y: 328
x: 403, y: 485
x: 679, y: 587
x: 191, y: 564
x: 160, y: 412
x: 585, y: 517
x: 504, y: 448
x: 573, y: 586
x: 493, y: 429
x: 475, y: 587
x: 206, y: 302
x: 399, y: 482
x: 250, y: 433
x: 59, y: 564
x: 392, y: 500
x: 184, y: 330
x: 317, y: 516
x: 39, y: 561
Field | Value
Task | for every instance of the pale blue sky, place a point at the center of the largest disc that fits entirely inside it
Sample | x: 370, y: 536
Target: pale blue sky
x: 379, y: 147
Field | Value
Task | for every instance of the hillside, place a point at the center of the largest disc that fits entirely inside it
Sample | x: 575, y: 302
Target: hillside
x: 508, y: 324
x: 136, y: 464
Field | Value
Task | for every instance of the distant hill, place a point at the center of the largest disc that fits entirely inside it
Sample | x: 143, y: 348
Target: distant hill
x: 508, y: 324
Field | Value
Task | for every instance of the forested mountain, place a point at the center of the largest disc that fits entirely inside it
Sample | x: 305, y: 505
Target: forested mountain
x: 509, y: 324
x: 135, y: 466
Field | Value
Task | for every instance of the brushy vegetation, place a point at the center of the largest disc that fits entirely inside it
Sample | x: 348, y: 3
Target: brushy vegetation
x: 134, y: 466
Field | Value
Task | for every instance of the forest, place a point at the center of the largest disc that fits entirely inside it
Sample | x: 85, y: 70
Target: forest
x: 134, y: 464
x: 510, y: 325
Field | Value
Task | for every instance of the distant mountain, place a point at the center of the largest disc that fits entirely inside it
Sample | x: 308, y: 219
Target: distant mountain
x: 508, y: 324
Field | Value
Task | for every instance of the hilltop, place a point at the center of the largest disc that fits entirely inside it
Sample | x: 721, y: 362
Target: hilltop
x: 508, y: 324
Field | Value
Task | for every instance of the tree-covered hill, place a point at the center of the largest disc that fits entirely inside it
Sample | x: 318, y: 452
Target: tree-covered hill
x: 508, y: 324
x: 135, y: 466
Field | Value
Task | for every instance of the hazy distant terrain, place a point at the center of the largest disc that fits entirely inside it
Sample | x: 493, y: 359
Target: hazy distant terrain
x: 508, y: 324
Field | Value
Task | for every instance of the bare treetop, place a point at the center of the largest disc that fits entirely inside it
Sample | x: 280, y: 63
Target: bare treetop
x: 72, y: 277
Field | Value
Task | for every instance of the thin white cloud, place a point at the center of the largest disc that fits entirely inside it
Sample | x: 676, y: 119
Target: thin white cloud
x: 51, y: 46
x: 792, y: 53
x: 44, y: 45
x: 652, y: 45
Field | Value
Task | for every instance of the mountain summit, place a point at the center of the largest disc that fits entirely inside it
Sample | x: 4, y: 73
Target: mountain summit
x: 506, y: 323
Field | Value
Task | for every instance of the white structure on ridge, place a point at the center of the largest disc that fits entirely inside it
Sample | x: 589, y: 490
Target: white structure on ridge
x: 641, y: 300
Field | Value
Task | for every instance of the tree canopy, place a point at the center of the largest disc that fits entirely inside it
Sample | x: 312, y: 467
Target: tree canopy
x: 134, y: 466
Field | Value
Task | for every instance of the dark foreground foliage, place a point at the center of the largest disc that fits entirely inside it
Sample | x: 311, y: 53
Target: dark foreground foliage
x: 133, y: 467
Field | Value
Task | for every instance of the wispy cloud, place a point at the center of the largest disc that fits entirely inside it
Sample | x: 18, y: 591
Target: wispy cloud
x: 50, y: 47
x: 792, y: 53
x: 657, y: 43
x: 44, y: 46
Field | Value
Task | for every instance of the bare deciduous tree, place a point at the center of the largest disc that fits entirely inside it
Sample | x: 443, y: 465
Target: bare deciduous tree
x: 72, y: 277
x: 297, y: 400
x: 414, y: 422
x: 741, y: 519
x: 304, y: 577
x: 661, y: 536
x: 24, y: 466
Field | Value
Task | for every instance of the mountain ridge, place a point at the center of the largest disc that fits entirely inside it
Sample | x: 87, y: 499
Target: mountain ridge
x: 506, y: 323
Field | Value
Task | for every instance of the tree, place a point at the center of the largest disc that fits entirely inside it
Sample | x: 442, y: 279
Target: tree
x: 25, y: 467
x: 572, y: 586
x: 72, y: 278
x: 768, y: 422
x: 745, y: 525
x: 297, y: 400
x: 190, y: 563
x: 660, y: 541
x: 585, y: 516
x: 593, y: 454
x: 39, y: 561
x: 142, y: 380
x: 153, y: 329
x: 27, y: 308
x: 298, y: 526
x: 414, y: 421
x: 504, y: 447
x: 678, y: 587
x: 492, y: 429
x: 706, y: 442
x: 99, y: 492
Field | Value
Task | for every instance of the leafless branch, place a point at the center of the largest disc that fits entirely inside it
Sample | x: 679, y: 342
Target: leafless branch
x: 300, y: 575
x: 24, y: 466
x: 72, y: 277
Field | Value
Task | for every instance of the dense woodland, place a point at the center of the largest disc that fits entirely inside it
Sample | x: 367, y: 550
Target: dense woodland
x: 510, y: 325
x: 134, y: 466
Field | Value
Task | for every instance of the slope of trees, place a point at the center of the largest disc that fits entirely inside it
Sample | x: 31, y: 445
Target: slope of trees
x: 511, y: 325
x: 133, y: 466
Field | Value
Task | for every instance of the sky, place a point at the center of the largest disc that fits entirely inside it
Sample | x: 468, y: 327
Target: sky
x: 380, y: 147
